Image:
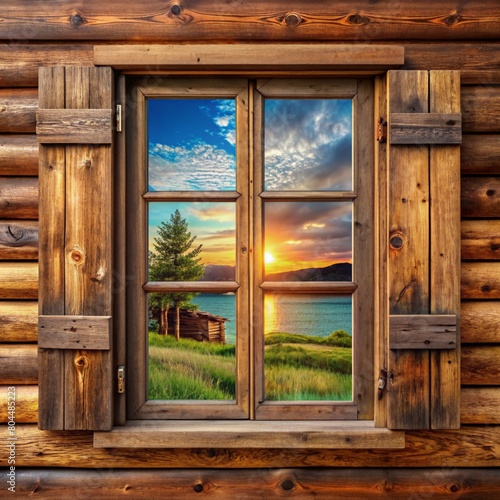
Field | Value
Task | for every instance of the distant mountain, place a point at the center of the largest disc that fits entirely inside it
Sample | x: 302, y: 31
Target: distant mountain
x: 335, y: 272
x: 218, y: 273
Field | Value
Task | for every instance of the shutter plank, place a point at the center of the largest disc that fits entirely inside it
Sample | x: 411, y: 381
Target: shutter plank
x: 422, y: 331
x: 408, y: 390
x: 445, y: 252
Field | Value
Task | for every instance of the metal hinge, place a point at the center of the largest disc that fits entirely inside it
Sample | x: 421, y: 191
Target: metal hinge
x: 121, y: 379
x: 119, y: 117
x: 382, y: 381
x: 382, y: 130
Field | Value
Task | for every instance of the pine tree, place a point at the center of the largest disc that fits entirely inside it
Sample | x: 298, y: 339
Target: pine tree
x: 174, y: 259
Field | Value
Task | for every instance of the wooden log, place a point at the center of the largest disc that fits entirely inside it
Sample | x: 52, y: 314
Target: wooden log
x: 481, y: 108
x: 281, y: 19
x: 26, y: 403
x: 481, y: 240
x: 322, y: 484
x: 18, y: 155
x: 480, y: 365
x: 19, y: 62
x: 18, y: 280
x: 456, y: 448
x: 18, y: 110
x: 18, y: 321
x: 480, y: 405
x: 480, y: 154
x: 19, y: 198
x: 480, y: 197
x: 479, y: 322
x: 480, y: 280
x: 18, y: 364
x: 18, y: 240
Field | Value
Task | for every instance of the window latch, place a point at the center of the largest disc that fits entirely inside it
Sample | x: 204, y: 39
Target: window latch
x: 382, y: 382
x: 119, y: 117
x: 121, y: 379
x: 382, y: 130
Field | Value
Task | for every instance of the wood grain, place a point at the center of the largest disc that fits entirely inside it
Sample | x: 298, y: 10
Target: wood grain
x: 481, y: 108
x: 480, y: 405
x: 18, y: 321
x: 480, y: 154
x: 26, y: 404
x: 480, y: 239
x: 19, y: 197
x: 480, y: 365
x: 18, y: 240
x: 18, y: 155
x: 479, y: 322
x: 18, y: 280
x: 18, y: 364
x: 480, y: 280
x: 18, y: 110
x: 480, y: 197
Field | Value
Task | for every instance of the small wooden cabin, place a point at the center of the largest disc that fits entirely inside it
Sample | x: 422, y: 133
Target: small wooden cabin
x: 425, y: 420
x: 198, y: 325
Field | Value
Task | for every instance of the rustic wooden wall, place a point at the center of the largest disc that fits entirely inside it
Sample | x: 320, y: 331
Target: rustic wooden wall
x: 436, y: 35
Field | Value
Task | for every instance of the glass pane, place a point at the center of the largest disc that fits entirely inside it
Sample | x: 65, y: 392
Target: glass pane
x: 308, y: 241
x: 192, y: 356
x: 308, y: 144
x: 192, y: 241
x: 308, y: 347
x: 191, y: 144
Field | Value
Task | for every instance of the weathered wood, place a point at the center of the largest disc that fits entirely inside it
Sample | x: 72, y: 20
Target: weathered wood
x: 19, y: 62
x: 479, y: 322
x: 480, y: 154
x: 26, y: 403
x: 18, y: 364
x: 481, y: 108
x: 321, y: 484
x: 480, y: 365
x: 421, y: 331
x: 480, y: 280
x: 18, y: 280
x: 480, y: 405
x: 425, y: 128
x: 18, y: 155
x: 18, y: 240
x: 481, y: 240
x: 18, y: 110
x: 19, y: 198
x: 82, y: 126
x: 480, y: 197
x: 199, y: 286
x: 74, y: 332
x: 153, y: 20
x: 249, y: 434
x: 457, y: 448
x: 18, y: 321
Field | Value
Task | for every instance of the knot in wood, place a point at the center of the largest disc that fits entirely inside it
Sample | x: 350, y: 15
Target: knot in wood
x: 287, y: 484
x: 357, y: 19
x: 396, y: 240
x: 81, y: 362
x: 453, y: 19
x: 175, y: 9
x: 76, y: 20
x: 77, y: 256
x: 293, y: 19
x: 15, y: 232
x: 198, y: 488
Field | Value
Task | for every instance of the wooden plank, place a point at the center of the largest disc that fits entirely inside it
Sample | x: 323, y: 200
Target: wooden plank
x: 423, y: 331
x: 18, y: 240
x: 408, y: 263
x: 198, y: 286
x: 445, y: 256
x: 480, y: 197
x: 82, y: 126
x: 480, y: 405
x: 479, y: 322
x: 480, y: 365
x: 480, y: 154
x: 18, y: 108
x: 243, y: 434
x: 304, y: 286
x: 18, y: 364
x: 480, y: 239
x: 304, y: 88
x: 18, y: 321
x: 425, y: 128
x: 18, y: 280
x: 26, y: 403
x: 321, y: 484
x: 18, y: 155
x: 480, y: 280
x: 75, y: 332
x: 19, y: 198
x: 249, y: 56
x: 481, y: 108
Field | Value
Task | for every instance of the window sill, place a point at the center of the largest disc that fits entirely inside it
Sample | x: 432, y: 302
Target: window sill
x: 249, y: 434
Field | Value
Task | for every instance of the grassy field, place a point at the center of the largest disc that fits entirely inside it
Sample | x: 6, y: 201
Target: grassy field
x: 297, y: 367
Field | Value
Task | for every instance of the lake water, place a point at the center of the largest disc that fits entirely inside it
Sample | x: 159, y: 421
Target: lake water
x: 310, y: 314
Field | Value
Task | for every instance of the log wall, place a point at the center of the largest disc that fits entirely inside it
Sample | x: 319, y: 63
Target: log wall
x: 441, y: 35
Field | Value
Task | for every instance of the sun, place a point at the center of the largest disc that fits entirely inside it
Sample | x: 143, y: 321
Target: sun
x: 268, y: 258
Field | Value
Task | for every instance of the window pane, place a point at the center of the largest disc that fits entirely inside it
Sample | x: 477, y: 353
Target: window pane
x: 308, y: 347
x: 308, y: 144
x: 308, y: 241
x: 191, y: 144
x: 192, y: 241
x: 201, y: 363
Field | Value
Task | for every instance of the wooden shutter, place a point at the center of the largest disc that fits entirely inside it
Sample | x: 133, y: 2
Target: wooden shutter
x: 75, y: 134
x: 424, y: 130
